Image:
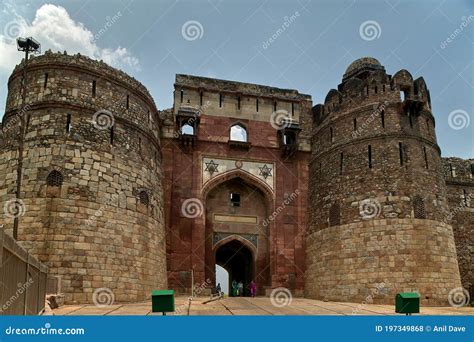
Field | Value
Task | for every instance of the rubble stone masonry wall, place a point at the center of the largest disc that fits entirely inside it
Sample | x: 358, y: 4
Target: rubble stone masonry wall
x: 361, y: 203
x: 377, y: 192
x: 92, y: 182
x: 459, y: 175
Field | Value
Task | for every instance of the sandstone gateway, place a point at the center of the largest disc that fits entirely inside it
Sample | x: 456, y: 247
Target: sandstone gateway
x: 331, y: 203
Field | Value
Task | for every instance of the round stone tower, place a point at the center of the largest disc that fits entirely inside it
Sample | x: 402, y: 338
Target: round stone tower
x: 91, y: 202
x: 377, y: 193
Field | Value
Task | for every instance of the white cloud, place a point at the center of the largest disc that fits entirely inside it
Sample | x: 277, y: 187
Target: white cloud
x: 56, y: 30
x: 119, y: 56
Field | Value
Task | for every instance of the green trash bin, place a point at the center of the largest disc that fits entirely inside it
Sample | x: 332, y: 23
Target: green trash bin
x: 407, y: 303
x: 162, y: 301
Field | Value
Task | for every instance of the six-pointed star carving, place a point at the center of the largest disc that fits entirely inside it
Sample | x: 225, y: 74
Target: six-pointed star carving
x: 211, y: 167
x: 265, y: 171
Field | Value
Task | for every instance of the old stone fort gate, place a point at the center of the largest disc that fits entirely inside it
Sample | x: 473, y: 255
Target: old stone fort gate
x: 328, y: 201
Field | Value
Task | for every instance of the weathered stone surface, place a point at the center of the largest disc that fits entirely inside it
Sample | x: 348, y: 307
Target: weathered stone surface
x: 78, y: 229
x: 371, y: 143
x: 460, y: 182
x: 332, y: 222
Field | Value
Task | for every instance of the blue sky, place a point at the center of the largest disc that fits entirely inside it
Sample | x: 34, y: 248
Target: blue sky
x: 320, y: 39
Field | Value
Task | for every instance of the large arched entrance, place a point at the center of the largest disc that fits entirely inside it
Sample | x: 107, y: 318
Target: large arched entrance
x: 238, y: 260
x: 236, y: 238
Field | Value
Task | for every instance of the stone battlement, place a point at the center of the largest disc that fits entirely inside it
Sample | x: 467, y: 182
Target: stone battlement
x: 365, y: 83
x: 459, y: 170
x: 101, y: 69
x: 247, y: 89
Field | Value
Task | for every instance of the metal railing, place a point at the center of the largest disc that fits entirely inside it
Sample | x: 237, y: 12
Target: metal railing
x: 22, y: 279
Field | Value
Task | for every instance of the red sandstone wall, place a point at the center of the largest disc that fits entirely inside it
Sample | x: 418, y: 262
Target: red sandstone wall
x: 186, y: 246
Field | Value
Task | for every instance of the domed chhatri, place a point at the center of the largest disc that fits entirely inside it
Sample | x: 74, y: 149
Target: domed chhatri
x: 360, y: 65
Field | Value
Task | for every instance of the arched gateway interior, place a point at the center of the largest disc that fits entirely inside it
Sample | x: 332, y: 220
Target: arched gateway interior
x: 238, y: 260
x: 237, y: 239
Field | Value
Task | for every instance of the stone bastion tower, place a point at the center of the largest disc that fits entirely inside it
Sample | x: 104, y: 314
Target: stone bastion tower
x: 378, y: 199
x: 91, y: 186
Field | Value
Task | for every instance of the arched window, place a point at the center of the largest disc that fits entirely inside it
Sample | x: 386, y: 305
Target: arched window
x: 419, y: 207
x: 143, y: 198
x: 187, y: 129
x: 405, y: 92
x: 238, y: 133
x: 55, y: 178
x: 335, y: 215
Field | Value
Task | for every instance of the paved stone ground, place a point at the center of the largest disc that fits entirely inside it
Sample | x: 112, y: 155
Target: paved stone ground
x: 253, y: 306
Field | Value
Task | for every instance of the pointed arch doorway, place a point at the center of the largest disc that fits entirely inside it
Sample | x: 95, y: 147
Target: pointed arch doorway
x: 238, y: 260
x: 236, y: 206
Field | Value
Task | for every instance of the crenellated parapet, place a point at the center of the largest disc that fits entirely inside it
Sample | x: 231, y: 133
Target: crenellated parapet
x: 255, y: 107
x: 86, y: 64
x: 86, y: 86
x: 376, y: 87
x: 371, y: 104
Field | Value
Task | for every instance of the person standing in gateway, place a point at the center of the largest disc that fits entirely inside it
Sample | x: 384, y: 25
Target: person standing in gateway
x: 253, y: 288
x: 235, y: 291
x: 240, y: 287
